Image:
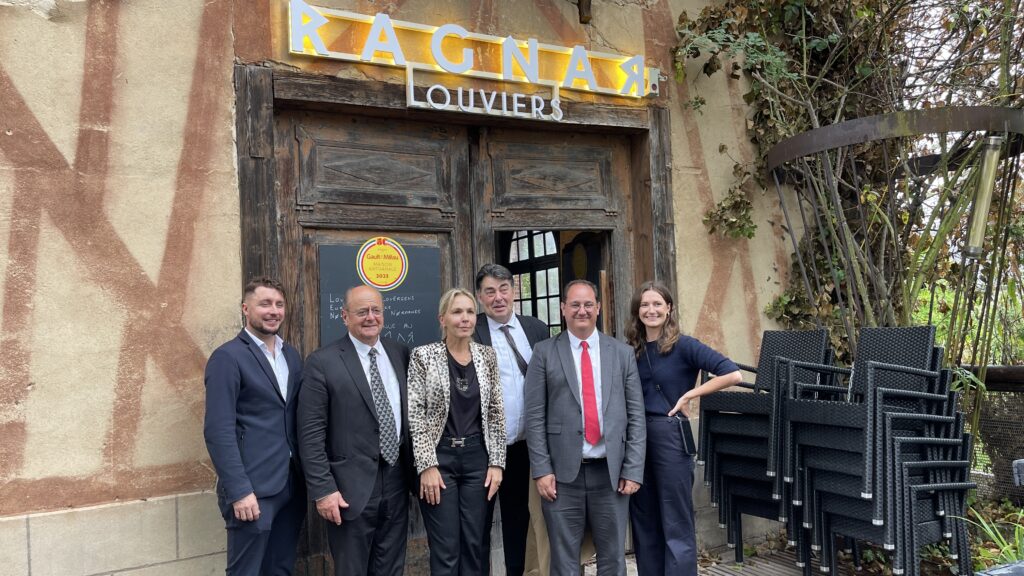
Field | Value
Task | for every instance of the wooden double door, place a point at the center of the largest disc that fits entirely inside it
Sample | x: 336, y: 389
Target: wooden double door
x: 472, y: 193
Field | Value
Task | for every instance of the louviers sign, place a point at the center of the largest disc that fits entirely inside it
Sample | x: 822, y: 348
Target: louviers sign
x: 449, y: 53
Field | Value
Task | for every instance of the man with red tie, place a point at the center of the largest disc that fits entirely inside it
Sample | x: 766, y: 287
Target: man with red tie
x: 586, y: 434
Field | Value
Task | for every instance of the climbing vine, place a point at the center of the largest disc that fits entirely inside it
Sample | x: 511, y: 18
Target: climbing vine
x: 882, y: 241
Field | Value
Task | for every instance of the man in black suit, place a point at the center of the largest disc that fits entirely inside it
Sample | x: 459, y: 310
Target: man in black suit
x: 512, y: 336
x: 251, y: 386
x: 354, y: 440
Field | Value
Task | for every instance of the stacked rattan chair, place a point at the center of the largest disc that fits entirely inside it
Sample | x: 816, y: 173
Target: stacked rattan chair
x: 874, y: 453
x: 738, y: 446
x: 846, y: 457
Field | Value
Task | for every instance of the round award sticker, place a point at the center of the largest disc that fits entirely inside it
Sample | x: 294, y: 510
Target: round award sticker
x: 382, y: 263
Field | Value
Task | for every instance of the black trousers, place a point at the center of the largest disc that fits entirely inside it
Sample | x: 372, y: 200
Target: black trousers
x: 374, y: 544
x: 514, y: 494
x: 267, y: 546
x: 457, y: 526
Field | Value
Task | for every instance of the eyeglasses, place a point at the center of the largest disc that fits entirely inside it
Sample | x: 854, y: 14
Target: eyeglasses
x: 575, y: 306
x: 364, y: 312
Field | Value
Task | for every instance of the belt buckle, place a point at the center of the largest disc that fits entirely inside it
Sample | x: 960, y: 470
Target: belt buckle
x: 458, y: 442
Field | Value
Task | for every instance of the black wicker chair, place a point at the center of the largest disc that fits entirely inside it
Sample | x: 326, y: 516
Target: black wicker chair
x: 927, y: 508
x: 761, y: 409
x: 738, y: 440
x: 889, y: 358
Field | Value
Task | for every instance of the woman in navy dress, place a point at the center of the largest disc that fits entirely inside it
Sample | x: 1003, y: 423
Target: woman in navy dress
x: 661, y: 512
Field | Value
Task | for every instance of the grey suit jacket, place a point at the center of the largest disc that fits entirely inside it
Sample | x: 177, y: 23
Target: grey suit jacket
x: 339, y: 433
x: 554, y: 413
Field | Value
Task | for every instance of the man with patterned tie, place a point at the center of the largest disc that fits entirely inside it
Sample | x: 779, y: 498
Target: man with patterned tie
x: 512, y: 336
x: 354, y: 440
x: 586, y: 434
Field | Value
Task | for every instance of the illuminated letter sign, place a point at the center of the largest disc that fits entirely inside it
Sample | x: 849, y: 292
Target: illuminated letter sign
x: 529, y: 64
x: 389, y: 44
x: 543, y: 70
x: 304, y: 24
x: 442, y: 61
x: 579, y: 69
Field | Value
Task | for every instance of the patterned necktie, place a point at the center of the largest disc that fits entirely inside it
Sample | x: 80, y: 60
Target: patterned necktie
x: 386, y: 418
x: 591, y: 425
x: 515, y: 351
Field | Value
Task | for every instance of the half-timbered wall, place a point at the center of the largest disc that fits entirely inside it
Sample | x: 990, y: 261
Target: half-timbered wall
x: 137, y: 140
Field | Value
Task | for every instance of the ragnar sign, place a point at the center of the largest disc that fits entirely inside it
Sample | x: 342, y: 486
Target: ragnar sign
x: 539, y: 71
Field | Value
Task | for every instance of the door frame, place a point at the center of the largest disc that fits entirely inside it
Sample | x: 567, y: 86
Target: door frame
x: 260, y: 90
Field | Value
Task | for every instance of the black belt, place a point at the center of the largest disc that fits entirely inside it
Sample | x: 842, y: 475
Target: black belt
x: 453, y: 442
x: 593, y: 460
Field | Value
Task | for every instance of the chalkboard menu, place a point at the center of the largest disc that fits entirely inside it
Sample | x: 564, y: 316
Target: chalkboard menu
x: 410, y: 297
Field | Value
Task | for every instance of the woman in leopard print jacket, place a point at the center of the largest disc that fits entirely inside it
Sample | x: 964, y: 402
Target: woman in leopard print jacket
x: 457, y: 423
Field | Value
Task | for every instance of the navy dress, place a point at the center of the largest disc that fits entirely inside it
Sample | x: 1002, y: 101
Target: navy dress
x: 661, y: 512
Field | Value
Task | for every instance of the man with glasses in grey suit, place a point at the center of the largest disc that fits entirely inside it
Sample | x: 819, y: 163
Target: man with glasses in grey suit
x: 586, y: 434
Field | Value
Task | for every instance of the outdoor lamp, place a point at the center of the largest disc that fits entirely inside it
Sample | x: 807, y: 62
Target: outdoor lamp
x: 983, y: 197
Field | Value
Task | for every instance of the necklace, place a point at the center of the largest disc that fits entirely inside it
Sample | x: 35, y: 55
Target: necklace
x: 458, y: 372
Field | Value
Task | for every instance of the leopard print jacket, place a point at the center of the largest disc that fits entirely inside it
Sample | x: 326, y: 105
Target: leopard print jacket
x: 429, y: 397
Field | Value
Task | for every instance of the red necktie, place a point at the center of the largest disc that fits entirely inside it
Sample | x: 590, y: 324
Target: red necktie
x: 591, y: 425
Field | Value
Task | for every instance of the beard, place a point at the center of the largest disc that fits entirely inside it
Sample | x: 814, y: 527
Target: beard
x: 262, y: 330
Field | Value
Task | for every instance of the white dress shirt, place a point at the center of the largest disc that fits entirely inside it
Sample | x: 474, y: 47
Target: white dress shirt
x: 513, y: 382
x: 387, y: 375
x: 594, y: 349
x: 278, y: 363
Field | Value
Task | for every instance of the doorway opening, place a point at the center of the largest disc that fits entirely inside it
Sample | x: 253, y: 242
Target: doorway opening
x: 542, y: 262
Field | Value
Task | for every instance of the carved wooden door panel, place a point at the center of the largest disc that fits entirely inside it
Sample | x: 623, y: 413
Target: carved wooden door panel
x: 344, y: 178
x: 535, y: 180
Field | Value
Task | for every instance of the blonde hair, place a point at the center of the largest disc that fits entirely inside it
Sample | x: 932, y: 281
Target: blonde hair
x: 446, y: 304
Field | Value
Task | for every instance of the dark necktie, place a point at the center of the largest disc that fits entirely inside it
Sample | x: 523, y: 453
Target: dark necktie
x: 515, y: 351
x: 591, y: 425
x: 385, y: 417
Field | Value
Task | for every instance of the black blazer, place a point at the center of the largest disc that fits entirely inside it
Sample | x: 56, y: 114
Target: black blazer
x: 249, y: 428
x: 339, y: 434
x: 536, y: 331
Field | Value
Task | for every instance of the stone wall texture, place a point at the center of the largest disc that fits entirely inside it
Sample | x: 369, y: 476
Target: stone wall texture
x: 120, y: 248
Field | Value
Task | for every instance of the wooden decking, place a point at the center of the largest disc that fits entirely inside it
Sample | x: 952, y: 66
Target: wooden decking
x: 781, y: 563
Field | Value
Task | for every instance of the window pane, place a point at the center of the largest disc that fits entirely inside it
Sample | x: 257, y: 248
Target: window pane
x: 538, y: 245
x: 525, y: 286
x: 549, y: 241
x: 524, y: 249
x: 554, y: 286
x: 518, y: 308
x: 555, y: 330
x: 527, y: 308
x: 542, y: 309
x: 513, y: 253
x: 542, y: 283
x: 553, y: 310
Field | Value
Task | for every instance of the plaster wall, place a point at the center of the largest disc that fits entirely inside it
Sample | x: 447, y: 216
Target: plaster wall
x: 120, y: 243
x: 119, y: 233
